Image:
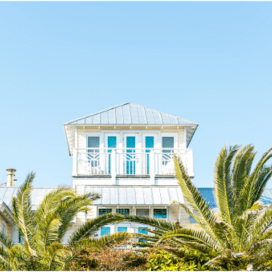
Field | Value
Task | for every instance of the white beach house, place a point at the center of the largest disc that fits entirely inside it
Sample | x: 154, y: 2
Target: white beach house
x: 125, y: 153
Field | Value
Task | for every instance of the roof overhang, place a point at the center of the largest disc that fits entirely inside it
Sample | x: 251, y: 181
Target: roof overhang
x: 6, y: 212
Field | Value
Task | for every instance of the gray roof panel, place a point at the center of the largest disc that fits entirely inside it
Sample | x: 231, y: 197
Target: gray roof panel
x: 130, y: 114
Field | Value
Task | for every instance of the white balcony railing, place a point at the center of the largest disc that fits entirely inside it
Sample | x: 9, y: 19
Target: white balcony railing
x: 131, y: 162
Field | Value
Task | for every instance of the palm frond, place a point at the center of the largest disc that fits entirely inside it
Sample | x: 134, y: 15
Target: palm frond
x: 223, y: 191
x: 94, y: 225
x: 203, y: 213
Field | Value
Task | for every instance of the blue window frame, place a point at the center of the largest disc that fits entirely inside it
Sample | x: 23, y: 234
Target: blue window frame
x: 111, y: 144
x: 123, y: 211
x: 121, y: 229
x: 105, y: 231
x: 160, y: 213
x: 130, y: 156
x: 104, y: 211
x: 149, y: 143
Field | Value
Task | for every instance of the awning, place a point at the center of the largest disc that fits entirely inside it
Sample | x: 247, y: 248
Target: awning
x: 135, y: 195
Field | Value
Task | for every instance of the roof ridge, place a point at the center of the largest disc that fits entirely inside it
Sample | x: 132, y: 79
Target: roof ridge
x: 153, y: 110
x: 99, y: 112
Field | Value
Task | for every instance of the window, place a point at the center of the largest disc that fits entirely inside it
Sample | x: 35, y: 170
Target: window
x: 93, y: 154
x: 4, y: 228
x: 105, y: 231
x: 168, y: 149
x: 142, y: 230
x: 121, y: 229
x: 160, y: 213
x: 168, y: 142
x: 123, y: 211
x: 104, y: 211
x: 142, y: 212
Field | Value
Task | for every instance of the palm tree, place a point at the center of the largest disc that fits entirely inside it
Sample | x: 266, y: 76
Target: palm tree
x: 43, y: 230
x: 241, y: 231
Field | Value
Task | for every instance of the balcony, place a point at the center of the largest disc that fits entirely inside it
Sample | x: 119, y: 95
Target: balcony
x: 125, y: 162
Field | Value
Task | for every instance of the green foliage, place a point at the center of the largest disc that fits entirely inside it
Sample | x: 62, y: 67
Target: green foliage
x: 111, y: 258
x: 161, y: 260
x: 241, y: 232
x: 43, y: 230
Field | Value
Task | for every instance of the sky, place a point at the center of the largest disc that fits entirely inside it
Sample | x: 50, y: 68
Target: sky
x: 207, y: 62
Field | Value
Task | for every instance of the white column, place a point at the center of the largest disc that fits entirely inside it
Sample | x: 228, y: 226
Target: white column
x: 113, y: 166
x: 75, y: 162
x: 152, y: 166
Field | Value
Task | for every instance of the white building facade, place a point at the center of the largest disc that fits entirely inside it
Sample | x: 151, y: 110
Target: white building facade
x: 125, y: 154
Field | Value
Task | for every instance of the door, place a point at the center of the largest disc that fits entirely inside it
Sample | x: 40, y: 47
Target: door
x: 167, y: 155
x: 94, y: 156
x: 112, y: 143
x: 130, y: 157
x: 149, y: 144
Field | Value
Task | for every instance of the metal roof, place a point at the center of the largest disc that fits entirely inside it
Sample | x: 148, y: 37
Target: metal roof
x: 135, y: 195
x: 37, y: 195
x: 130, y: 114
x: 125, y: 195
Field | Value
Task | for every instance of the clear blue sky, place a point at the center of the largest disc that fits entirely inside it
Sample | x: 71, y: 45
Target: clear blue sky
x: 208, y: 62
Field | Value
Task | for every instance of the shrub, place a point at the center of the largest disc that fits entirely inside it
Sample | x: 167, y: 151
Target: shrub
x: 109, y: 259
x: 189, y: 260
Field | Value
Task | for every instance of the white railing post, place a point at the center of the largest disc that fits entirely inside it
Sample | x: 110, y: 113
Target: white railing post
x: 75, y: 162
x: 189, y: 161
x: 113, y: 166
x: 152, y: 166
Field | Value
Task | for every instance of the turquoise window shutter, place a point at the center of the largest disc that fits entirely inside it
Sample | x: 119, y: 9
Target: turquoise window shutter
x: 105, y: 231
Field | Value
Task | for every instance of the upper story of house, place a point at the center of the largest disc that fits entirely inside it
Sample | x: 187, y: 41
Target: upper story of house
x: 128, y: 145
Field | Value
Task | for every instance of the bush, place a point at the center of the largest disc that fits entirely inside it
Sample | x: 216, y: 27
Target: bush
x: 189, y: 260
x: 109, y: 259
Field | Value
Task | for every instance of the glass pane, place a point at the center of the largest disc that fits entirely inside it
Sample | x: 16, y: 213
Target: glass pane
x: 104, y: 211
x: 149, y: 142
x: 167, y: 142
x: 142, y: 212
x: 131, y: 142
x: 112, y: 142
x: 105, y: 231
x: 93, y: 142
x: 123, y: 211
x: 122, y: 229
x: 160, y: 213
x: 142, y: 230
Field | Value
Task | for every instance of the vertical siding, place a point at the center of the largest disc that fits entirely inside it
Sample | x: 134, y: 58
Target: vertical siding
x: 81, y: 140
